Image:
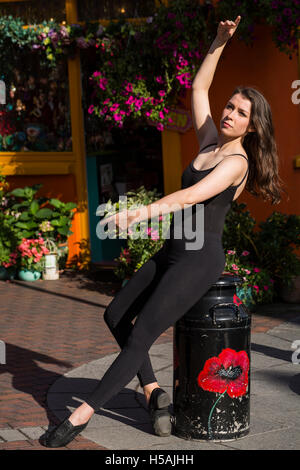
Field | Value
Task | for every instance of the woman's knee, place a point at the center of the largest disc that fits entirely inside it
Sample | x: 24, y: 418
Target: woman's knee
x: 109, y: 317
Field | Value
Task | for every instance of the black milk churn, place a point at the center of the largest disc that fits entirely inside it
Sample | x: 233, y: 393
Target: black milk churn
x: 211, y: 386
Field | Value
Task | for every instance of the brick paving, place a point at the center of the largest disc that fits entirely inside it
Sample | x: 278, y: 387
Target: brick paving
x: 49, y: 328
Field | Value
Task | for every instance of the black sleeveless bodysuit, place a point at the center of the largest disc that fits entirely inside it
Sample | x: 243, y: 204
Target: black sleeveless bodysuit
x: 214, y: 212
x: 162, y: 291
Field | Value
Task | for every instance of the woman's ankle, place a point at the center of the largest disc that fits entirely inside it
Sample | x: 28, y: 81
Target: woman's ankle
x: 81, y: 415
x: 148, y: 389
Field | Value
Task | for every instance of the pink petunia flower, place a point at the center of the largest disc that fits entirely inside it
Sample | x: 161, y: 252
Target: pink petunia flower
x: 245, y: 253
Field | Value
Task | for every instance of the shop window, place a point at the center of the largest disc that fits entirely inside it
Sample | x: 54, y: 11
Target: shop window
x: 112, y: 9
x: 35, y: 11
x: 35, y: 116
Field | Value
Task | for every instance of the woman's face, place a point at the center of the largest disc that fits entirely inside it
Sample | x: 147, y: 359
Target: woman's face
x: 237, y: 115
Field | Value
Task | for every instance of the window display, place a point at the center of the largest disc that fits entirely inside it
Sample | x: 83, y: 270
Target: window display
x: 36, y: 114
x: 35, y: 11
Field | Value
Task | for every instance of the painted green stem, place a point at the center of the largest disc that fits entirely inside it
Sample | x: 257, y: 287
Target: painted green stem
x: 211, y: 412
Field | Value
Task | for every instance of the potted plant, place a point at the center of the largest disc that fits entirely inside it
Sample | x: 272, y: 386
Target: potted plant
x: 30, y: 216
x: 8, y: 241
x: 31, y: 258
x: 8, y: 261
x: 257, y: 286
x: 150, y: 240
x: 61, y: 221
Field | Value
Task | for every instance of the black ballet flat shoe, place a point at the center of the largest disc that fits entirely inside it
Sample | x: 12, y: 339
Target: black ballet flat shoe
x: 159, y: 415
x: 64, y: 433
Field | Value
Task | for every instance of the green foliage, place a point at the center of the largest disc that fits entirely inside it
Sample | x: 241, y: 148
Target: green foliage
x: 276, y: 242
x: 239, y: 228
x: 24, y: 215
x: 271, y: 260
x: 30, y: 215
x: 143, y: 241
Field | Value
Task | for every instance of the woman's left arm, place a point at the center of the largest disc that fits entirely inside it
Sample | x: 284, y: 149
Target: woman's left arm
x: 225, y: 173
x: 170, y: 203
x: 223, y: 176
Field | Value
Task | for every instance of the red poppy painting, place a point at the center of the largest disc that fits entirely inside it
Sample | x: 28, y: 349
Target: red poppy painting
x: 227, y: 372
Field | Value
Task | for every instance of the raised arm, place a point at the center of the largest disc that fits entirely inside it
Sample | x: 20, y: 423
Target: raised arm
x: 203, y: 123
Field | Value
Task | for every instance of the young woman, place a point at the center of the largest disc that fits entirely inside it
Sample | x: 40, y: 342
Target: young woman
x: 242, y: 154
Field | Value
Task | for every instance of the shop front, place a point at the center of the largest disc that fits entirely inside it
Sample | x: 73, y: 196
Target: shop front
x: 47, y: 135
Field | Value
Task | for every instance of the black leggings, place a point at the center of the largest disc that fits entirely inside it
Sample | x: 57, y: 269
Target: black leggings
x: 158, y: 294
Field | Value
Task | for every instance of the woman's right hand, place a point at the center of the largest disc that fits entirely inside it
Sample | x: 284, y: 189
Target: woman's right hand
x: 226, y: 29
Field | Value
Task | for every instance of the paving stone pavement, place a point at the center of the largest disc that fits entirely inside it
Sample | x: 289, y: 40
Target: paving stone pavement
x: 56, y: 338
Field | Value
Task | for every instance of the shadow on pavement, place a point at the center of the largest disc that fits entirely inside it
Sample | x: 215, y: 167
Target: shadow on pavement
x: 28, y: 376
x: 272, y: 352
x: 125, y: 407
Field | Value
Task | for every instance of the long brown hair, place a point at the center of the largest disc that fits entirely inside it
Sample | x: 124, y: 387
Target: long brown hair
x: 263, y: 178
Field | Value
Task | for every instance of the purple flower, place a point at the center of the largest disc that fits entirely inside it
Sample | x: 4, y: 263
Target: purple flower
x: 64, y: 32
x: 138, y: 104
x: 81, y: 42
x: 53, y: 35
x: 102, y: 83
x: 117, y: 117
x: 184, y: 79
x: 130, y: 100
x: 114, y: 107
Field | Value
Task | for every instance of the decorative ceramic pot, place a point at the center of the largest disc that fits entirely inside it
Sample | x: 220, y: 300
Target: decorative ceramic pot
x: 245, y: 294
x: 26, y: 275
